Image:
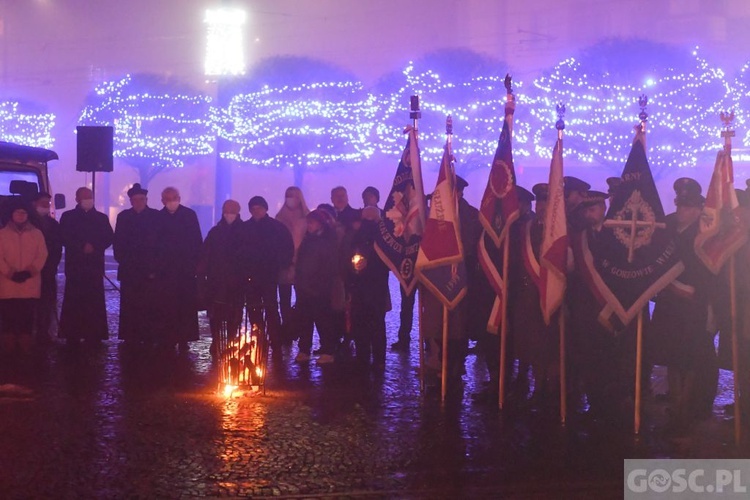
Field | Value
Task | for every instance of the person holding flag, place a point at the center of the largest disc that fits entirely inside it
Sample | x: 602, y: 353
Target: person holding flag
x: 622, y: 263
x: 498, y: 210
x: 723, y: 232
x: 680, y: 339
x: 442, y: 270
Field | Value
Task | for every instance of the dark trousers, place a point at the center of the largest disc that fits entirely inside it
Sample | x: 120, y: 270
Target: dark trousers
x: 262, y: 300
x: 47, y: 305
x: 407, y: 314
x: 17, y: 316
x: 368, y: 330
x: 315, y: 312
x: 285, y: 302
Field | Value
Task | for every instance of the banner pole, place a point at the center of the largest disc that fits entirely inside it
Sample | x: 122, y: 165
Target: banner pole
x: 735, y: 353
x: 504, y: 325
x: 444, y: 364
x: 563, y: 371
x: 638, y: 370
x: 421, y: 340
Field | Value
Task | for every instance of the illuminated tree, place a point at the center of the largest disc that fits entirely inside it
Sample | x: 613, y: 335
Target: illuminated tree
x: 601, y: 88
x: 457, y: 82
x: 741, y: 104
x: 298, y: 113
x: 27, y: 124
x: 158, y: 122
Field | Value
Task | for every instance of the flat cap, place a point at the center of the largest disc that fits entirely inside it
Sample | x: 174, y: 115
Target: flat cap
x: 524, y: 195
x: 593, y: 197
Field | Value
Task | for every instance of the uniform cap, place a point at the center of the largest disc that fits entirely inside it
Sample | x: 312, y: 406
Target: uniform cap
x: 575, y: 184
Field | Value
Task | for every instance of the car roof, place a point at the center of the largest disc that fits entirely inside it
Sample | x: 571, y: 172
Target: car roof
x: 11, y: 151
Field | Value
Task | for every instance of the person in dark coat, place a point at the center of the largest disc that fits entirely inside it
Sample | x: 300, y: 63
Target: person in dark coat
x: 86, y: 235
x: 575, y: 192
x: 268, y: 248
x: 179, y: 248
x: 136, y: 249
x: 680, y: 337
x: 220, y: 267
x: 595, y: 354
x: 47, y: 310
x: 367, y: 289
x: 317, y: 270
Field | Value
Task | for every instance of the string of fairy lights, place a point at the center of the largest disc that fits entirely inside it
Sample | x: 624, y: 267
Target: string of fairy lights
x: 600, y: 113
x: 327, y: 123
x: 27, y: 128
x: 160, y: 127
x: 304, y: 125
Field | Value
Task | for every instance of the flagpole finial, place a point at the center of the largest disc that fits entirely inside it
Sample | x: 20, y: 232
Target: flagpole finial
x: 643, y: 115
x: 509, y: 86
x: 560, y: 124
x: 728, y: 132
x: 415, y: 114
x: 449, y: 125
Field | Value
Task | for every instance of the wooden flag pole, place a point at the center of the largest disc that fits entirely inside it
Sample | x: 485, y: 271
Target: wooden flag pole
x: 727, y: 134
x: 563, y: 371
x: 735, y: 353
x: 510, y: 98
x: 421, y: 340
x: 444, y: 364
x: 444, y: 367
x: 638, y: 371
x: 560, y: 126
x: 504, y: 324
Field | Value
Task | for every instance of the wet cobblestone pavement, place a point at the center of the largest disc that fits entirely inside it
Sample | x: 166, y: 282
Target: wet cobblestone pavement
x: 104, y: 422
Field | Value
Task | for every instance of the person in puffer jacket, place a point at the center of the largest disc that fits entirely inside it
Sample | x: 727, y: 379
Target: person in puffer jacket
x: 23, y: 253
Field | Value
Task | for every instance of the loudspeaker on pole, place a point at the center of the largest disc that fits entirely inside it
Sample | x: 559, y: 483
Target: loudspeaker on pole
x: 94, y: 149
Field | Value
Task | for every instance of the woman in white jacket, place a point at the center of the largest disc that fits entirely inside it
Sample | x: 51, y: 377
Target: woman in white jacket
x: 22, y: 256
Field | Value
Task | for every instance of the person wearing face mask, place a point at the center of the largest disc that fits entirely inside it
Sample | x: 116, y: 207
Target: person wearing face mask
x: 50, y: 228
x: 268, y: 248
x: 22, y: 256
x: 180, y: 245
x: 292, y: 215
x: 219, y: 266
x: 136, y: 245
x: 86, y: 235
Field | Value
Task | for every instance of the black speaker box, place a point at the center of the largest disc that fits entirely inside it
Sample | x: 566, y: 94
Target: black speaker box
x: 94, y: 149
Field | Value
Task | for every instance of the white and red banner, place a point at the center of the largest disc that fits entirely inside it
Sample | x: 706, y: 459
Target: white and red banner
x: 554, y: 253
x: 440, y: 262
x: 721, y: 232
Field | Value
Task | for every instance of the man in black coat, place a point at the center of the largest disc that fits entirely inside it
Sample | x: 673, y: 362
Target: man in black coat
x: 180, y: 245
x: 136, y: 247
x: 86, y: 235
x: 53, y: 239
x: 267, y: 249
x: 220, y: 267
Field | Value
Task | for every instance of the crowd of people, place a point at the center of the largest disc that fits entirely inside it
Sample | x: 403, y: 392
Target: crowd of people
x: 326, y: 258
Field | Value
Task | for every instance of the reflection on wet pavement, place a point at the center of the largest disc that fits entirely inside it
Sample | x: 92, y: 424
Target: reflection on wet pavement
x: 108, y: 422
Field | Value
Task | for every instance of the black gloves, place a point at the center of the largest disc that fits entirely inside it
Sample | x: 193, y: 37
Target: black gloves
x: 20, y: 276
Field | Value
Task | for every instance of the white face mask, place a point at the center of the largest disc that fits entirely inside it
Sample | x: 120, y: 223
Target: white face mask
x: 43, y: 211
x: 172, y: 205
x: 87, y: 204
x: 292, y: 202
x: 229, y: 218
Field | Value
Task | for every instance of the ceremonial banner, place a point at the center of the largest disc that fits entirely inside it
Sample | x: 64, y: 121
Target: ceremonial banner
x: 554, y: 252
x: 440, y: 263
x: 497, y: 212
x: 721, y: 233
x: 499, y: 206
x: 399, y: 232
x: 631, y: 259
